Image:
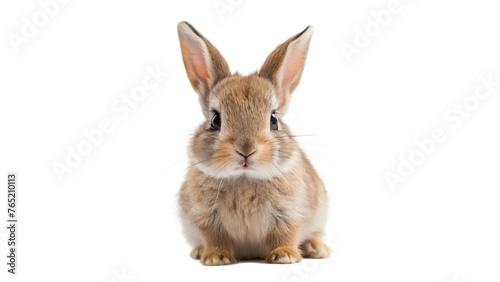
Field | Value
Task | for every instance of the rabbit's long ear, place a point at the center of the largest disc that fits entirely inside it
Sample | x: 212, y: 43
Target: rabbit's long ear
x: 204, y: 65
x: 285, y: 64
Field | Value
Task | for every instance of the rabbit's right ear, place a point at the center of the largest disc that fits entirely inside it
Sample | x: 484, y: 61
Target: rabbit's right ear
x: 204, y: 65
x: 284, y: 66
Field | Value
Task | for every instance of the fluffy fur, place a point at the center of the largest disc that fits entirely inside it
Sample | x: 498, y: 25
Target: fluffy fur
x: 273, y: 208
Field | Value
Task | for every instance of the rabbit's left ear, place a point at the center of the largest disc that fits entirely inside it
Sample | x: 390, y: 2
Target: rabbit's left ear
x: 204, y: 65
x: 285, y: 64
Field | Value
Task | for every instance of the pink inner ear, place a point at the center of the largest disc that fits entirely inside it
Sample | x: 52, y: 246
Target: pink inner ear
x: 200, y: 67
x: 197, y: 61
x: 292, y: 67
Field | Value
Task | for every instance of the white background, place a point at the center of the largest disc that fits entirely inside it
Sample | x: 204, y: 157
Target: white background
x: 116, y: 211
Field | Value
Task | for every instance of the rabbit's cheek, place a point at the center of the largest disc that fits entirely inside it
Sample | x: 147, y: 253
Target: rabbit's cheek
x: 265, y: 155
x: 223, y: 152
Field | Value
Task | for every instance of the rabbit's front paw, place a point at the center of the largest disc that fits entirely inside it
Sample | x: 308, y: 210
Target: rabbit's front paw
x: 284, y: 254
x: 315, y: 248
x: 197, y: 252
x: 218, y: 258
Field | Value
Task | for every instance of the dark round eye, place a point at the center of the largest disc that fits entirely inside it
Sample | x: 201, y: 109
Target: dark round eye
x: 216, y: 121
x: 274, y: 121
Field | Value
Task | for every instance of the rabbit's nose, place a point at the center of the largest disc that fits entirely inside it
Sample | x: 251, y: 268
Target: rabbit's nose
x: 245, y: 156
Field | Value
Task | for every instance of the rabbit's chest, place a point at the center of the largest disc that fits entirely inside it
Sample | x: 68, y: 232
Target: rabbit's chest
x: 247, y: 216
x: 248, y: 222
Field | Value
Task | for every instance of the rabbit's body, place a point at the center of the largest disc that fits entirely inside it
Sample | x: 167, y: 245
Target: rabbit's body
x: 250, y: 192
x: 251, y: 210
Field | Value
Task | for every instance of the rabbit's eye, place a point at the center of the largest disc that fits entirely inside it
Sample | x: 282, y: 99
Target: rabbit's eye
x: 216, y: 121
x: 274, y: 121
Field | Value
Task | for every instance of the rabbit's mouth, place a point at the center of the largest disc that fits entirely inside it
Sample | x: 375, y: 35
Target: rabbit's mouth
x: 246, y: 165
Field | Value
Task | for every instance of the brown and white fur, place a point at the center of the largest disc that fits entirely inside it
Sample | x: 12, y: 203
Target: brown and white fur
x: 250, y: 192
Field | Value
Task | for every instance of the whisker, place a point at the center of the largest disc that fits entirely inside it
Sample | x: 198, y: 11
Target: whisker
x: 295, y: 136
x: 176, y: 162
x: 213, y: 159
x: 317, y: 144
x: 283, y: 177
x: 320, y: 155
x: 213, y: 170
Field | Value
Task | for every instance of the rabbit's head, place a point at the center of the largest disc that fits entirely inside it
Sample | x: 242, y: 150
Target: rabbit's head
x: 243, y: 133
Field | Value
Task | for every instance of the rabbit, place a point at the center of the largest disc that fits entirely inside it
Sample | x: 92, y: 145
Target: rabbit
x: 250, y: 192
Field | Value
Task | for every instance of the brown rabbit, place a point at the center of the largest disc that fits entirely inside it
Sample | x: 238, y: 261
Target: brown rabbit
x: 250, y: 192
